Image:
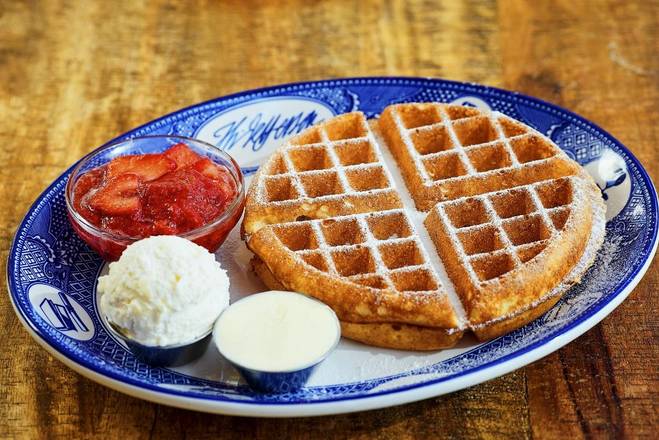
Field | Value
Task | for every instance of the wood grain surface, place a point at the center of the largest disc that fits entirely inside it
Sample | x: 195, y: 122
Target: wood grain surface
x: 74, y: 74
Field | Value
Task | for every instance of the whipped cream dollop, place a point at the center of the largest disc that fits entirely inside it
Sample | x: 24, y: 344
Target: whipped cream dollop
x: 164, y: 290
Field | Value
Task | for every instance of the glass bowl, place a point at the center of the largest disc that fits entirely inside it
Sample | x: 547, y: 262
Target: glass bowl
x: 110, y: 244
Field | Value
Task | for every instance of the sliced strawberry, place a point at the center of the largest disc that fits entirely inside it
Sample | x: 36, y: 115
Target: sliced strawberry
x: 165, y: 227
x: 147, y: 166
x: 185, y: 198
x: 218, y: 174
x: 208, y: 168
x: 214, y: 171
x: 229, y: 184
x: 182, y: 155
x: 84, y: 210
x: 118, y: 196
x: 89, y: 180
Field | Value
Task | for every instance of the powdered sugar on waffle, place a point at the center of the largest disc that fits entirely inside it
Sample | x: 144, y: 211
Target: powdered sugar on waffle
x: 369, y: 241
x: 593, y: 245
x: 384, y: 160
x: 493, y: 219
x: 329, y: 148
x: 494, y: 118
x: 417, y: 219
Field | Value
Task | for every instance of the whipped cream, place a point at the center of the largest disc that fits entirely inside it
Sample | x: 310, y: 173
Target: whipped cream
x: 276, y: 331
x: 164, y: 290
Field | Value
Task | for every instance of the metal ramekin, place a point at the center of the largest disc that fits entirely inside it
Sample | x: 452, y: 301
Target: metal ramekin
x: 166, y: 355
x: 280, y: 381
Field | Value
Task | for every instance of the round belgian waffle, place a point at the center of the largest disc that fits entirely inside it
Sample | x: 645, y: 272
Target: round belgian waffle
x: 432, y: 220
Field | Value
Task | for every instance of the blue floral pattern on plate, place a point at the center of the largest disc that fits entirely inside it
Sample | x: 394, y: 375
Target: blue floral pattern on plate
x: 52, y: 274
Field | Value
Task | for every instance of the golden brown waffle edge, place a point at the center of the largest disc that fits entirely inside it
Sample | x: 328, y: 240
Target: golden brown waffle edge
x: 385, y: 335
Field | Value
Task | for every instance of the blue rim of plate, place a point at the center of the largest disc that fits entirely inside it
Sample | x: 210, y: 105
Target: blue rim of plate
x: 632, y: 276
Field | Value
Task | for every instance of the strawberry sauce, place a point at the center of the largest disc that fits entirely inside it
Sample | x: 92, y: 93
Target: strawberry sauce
x: 154, y: 194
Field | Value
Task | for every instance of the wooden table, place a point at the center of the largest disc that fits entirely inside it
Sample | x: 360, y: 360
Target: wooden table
x: 75, y: 74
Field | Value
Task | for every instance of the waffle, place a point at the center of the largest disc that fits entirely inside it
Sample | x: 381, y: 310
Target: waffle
x: 328, y: 170
x: 375, y: 260
x: 448, y: 152
x: 390, y: 335
x: 348, y: 212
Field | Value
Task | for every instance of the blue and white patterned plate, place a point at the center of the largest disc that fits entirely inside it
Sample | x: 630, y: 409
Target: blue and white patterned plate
x: 52, y: 273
